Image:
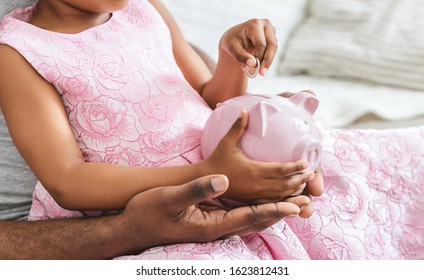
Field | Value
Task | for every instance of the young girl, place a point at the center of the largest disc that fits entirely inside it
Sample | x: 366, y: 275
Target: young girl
x: 120, y: 79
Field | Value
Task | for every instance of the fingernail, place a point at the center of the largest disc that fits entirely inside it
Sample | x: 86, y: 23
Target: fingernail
x: 264, y: 71
x: 219, y: 183
x: 251, y: 62
x: 304, y: 164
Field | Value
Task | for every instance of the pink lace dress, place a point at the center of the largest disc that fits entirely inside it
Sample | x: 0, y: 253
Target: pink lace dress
x: 129, y: 104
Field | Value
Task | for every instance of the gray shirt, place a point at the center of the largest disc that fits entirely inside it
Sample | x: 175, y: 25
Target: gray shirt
x: 17, y: 181
x: 10, y: 5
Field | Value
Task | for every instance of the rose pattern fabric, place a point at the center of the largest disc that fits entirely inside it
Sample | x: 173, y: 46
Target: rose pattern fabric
x: 129, y: 104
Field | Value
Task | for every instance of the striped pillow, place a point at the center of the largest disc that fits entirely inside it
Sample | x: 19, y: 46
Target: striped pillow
x: 380, y: 41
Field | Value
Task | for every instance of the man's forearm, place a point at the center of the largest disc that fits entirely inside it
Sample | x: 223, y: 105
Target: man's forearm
x: 80, y: 238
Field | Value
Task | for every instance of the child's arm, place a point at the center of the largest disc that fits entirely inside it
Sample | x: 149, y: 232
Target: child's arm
x: 40, y: 129
x: 38, y: 124
x: 237, y: 48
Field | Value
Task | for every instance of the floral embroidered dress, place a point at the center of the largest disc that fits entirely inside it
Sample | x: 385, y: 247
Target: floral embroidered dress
x: 129, y: 104
x: 127, y: 101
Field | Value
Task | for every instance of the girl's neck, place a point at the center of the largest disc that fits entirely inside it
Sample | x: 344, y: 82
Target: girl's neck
x: 58, y: 17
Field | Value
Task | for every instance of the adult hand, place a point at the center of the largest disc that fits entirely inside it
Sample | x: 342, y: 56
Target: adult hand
x: 253, y: 181
x: 169, y: 215
x: 253, y: 38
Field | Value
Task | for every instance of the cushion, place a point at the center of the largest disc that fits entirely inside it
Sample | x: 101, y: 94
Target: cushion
x: 379, y: 41
x: 204, y: 22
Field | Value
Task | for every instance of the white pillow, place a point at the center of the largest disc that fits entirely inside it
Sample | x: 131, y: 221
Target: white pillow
x: 380, y: 41
x: 204, y: 22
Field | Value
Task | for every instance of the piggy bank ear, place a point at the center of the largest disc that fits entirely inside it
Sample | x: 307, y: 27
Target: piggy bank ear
x: 306, y: 100
x: 258, y: 117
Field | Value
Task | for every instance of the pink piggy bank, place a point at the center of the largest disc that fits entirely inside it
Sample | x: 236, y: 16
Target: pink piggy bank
x: 280, y: 129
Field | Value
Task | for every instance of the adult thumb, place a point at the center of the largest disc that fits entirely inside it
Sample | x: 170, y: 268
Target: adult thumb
x: 197, y: 191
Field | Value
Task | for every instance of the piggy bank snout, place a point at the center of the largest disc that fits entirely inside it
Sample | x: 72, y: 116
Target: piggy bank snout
x: 310, y: 150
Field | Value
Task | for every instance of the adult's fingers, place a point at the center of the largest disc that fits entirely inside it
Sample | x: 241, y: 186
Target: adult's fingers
x: 248, y: 219
x: 195, y: 192
x: 254, y: 228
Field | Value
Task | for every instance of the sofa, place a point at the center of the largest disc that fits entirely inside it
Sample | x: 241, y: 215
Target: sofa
x: 363, y: 59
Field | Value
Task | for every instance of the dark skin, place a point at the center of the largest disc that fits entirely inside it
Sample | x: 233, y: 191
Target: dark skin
x: 67, y: 176
x: 131, y: 232
x: 80, y: 185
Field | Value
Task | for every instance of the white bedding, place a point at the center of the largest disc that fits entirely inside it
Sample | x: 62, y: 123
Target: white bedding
x: 343, y: 102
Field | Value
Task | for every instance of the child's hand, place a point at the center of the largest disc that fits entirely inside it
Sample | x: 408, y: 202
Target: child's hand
x: 253, y: 181
x: 253, y: 38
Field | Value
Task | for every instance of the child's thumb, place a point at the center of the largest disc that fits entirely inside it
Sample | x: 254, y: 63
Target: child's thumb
x: 237, y: 129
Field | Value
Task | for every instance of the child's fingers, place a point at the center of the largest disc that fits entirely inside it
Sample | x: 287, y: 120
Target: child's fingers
x: 315, y: 187
x: 256, y: 35
x: 280, y: 170
x: 255, y: 218
x: 271, y: 48
x: 240, y: 54
x: 293, y: 184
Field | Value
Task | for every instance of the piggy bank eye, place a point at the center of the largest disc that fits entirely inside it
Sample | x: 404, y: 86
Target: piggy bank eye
x: 300, y: 125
